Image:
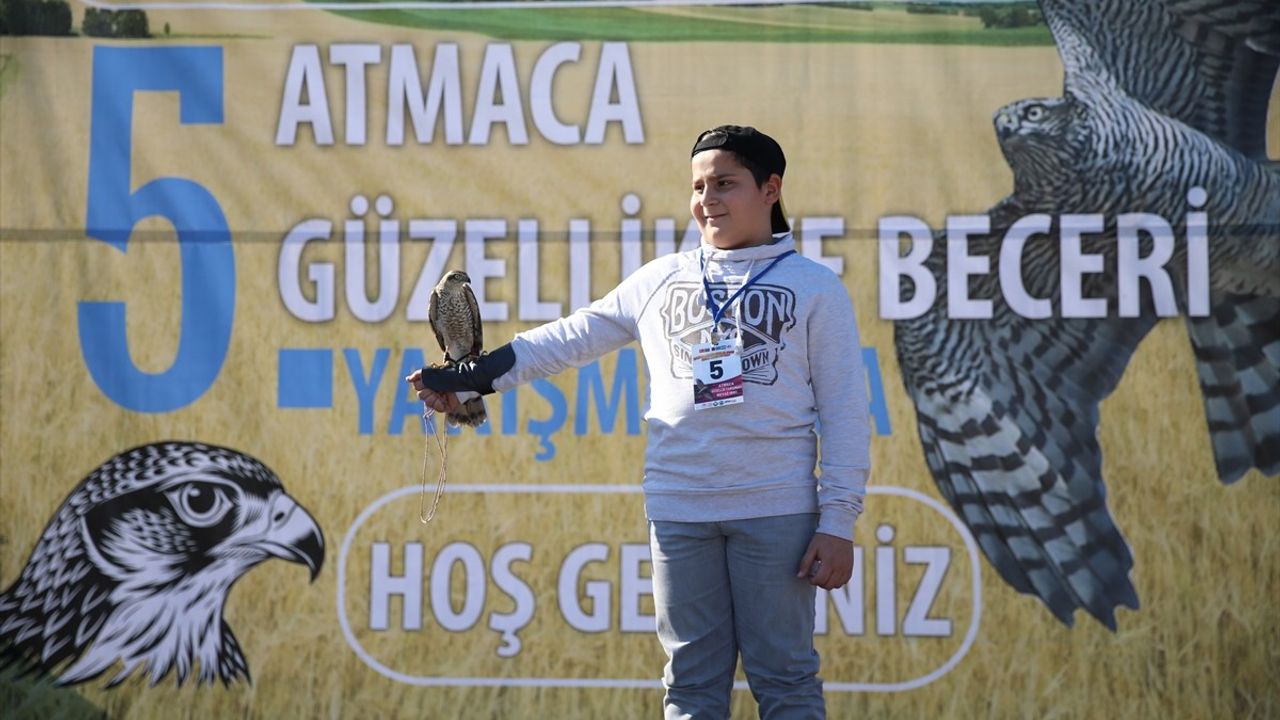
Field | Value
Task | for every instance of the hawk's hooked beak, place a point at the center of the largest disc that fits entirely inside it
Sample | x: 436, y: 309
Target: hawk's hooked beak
x: 294, y: 535
x: 1006, y: 124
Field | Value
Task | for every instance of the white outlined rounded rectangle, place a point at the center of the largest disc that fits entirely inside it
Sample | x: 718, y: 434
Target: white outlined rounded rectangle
x: 636, y: 683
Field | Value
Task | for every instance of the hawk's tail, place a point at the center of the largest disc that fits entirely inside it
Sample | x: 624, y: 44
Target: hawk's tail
x: 470, y: 413
x: 1238, y: 359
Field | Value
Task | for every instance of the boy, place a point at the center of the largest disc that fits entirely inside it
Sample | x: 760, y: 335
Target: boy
x: 769, y: 341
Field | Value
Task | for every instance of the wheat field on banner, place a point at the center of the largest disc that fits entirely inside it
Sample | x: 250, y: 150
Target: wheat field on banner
x: 870, y: 130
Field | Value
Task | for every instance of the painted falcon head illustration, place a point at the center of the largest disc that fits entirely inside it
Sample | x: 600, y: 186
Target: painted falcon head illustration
x: 1007, y: 408
x: 135, y: 567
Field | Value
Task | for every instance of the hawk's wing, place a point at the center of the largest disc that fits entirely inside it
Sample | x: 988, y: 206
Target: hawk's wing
x: 1237, y: 349
x: 1211, y: 65
x: 433, y: 316
x: 477, y: 327
x: 1207, y: 63
x: 1007, y: 411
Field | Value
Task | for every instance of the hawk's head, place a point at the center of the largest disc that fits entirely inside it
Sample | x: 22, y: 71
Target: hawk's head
x: 1043, y: 139
x: 456, y: 278
x: 136, y: 565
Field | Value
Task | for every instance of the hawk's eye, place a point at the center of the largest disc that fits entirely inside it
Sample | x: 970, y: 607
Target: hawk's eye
x: 199, y: 503
x: 1034, y: 112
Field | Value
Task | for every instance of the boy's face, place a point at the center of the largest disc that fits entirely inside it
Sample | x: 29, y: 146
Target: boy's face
x: 731, y: 210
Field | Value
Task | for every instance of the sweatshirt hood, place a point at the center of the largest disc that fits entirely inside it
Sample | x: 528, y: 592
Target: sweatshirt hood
x: 782, y: 242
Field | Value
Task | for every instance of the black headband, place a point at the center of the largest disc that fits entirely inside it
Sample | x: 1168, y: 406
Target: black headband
x: 747, y: 142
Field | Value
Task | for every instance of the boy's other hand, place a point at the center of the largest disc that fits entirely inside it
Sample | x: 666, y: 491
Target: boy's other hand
x: 828, y: 563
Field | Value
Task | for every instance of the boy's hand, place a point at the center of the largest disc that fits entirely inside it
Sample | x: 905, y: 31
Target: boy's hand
x: 441, y: 402
x: 828, y: 563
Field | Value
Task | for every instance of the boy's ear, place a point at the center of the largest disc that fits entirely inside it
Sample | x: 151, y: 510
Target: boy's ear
x: 773, y: 187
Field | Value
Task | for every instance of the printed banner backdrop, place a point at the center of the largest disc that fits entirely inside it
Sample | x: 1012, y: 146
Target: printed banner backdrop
x: 217, y: 244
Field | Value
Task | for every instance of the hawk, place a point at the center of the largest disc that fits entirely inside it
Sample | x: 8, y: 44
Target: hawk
x: 455, y: 318
x: 1160, y: 98
x: 135, y: 567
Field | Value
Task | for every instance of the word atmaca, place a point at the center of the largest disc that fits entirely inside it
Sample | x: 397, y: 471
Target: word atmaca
x: 498, y: 97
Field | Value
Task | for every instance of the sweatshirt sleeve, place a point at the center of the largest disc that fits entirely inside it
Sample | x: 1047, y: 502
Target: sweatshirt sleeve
x: 575, y: 340
x: 840, y: 391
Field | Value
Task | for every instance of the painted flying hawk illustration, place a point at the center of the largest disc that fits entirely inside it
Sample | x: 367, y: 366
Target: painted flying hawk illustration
x: 455, y: 318
x: 135, y: 567
x: 1163, y: 111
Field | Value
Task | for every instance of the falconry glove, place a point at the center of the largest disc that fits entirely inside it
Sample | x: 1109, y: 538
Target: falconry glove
x: 475, y: 375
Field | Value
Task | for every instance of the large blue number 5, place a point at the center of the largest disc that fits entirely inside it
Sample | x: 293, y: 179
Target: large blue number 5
x: 207, y: 258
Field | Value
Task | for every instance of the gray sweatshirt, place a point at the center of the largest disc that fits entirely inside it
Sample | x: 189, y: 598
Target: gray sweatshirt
x: 801, y: 362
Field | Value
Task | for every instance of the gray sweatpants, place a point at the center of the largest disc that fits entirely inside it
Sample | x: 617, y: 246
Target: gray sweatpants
x: 724, y: 588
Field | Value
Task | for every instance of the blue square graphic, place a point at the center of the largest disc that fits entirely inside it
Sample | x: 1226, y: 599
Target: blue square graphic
x: 305, y: 378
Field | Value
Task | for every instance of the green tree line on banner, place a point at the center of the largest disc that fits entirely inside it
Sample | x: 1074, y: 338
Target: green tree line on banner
x: 1004, y: 15
x: 53, y: 17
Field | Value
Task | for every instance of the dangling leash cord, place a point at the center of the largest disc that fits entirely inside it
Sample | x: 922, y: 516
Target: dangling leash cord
x: 442, y: 442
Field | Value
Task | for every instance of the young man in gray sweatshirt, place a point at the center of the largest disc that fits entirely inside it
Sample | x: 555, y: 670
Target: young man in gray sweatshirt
x: 750, y: 349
